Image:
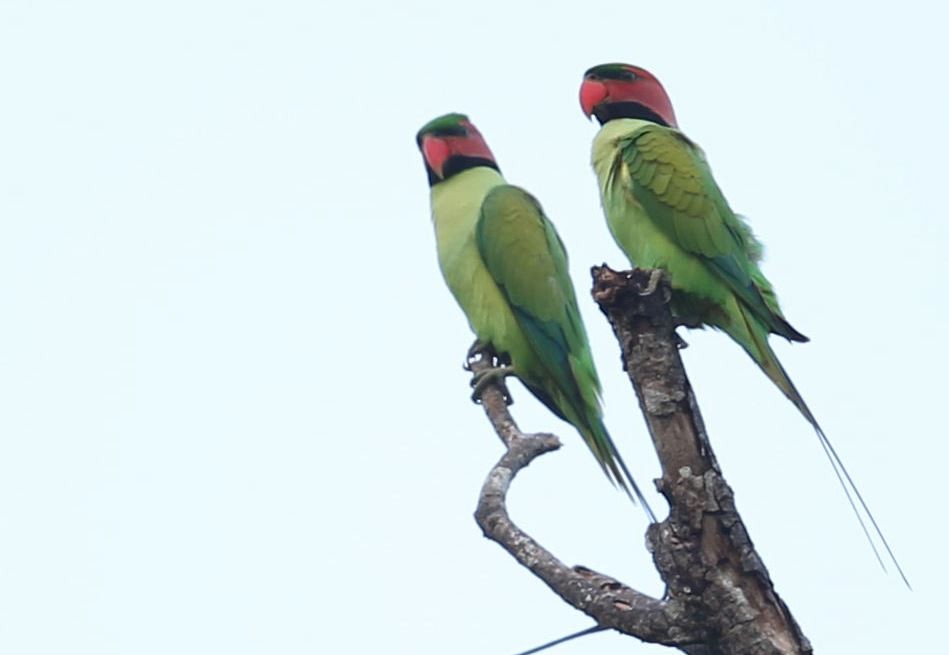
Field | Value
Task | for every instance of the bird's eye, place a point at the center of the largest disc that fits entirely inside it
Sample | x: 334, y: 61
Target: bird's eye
x: 630, y: 76
x: 453, y: 130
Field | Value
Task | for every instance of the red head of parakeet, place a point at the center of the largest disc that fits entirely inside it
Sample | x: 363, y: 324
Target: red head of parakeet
x: 622, y: 91
x: 451, y: 144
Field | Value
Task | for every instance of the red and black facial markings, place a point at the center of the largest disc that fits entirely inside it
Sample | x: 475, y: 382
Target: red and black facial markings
x: 613, y: 91
x: 451, y: 144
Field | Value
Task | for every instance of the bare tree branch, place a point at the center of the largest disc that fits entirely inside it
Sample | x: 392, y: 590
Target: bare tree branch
x: 609, y: 602
x: 719, y: 597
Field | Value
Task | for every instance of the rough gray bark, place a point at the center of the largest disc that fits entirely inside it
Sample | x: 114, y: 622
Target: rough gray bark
x: 719, y: 598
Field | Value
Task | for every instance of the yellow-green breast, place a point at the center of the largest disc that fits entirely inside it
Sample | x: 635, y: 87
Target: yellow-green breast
x: 456, y: 207
x: 644, y: 243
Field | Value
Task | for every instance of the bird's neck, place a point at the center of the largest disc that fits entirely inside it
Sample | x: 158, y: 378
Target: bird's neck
x: 607, y: 143
x: 459, y: 198
x: 618, y: 110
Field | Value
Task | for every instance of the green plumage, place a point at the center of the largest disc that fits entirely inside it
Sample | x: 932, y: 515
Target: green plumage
x: 507, y: 268
x: 666, y: 211
x: 525, y: 257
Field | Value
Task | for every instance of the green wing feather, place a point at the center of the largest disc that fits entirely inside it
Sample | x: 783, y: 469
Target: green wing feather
x: 524, y: 254
x: 673, y: 183
x: 670, y: 179
x: 527, y: 260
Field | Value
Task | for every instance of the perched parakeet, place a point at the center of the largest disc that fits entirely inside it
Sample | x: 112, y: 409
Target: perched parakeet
x: 507, y: 268
x: 665, y: 211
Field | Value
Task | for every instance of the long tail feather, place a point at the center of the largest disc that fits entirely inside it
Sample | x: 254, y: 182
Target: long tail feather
x: 639, y: 497
x: 616, y: 468
x: 760, y: 350
x: 835, y: 459
x: 583, y: 412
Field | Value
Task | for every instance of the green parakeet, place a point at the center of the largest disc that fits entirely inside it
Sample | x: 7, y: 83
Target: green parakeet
x: 507, y: 268
x: 665, y: 211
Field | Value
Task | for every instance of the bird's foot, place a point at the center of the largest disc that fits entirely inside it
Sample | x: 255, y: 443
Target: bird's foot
x: 655, y: 276
x: 489, y: 376
x: 479, y: 350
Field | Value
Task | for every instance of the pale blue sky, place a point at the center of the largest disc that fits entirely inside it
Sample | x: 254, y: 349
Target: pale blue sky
x: 222, y: 319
